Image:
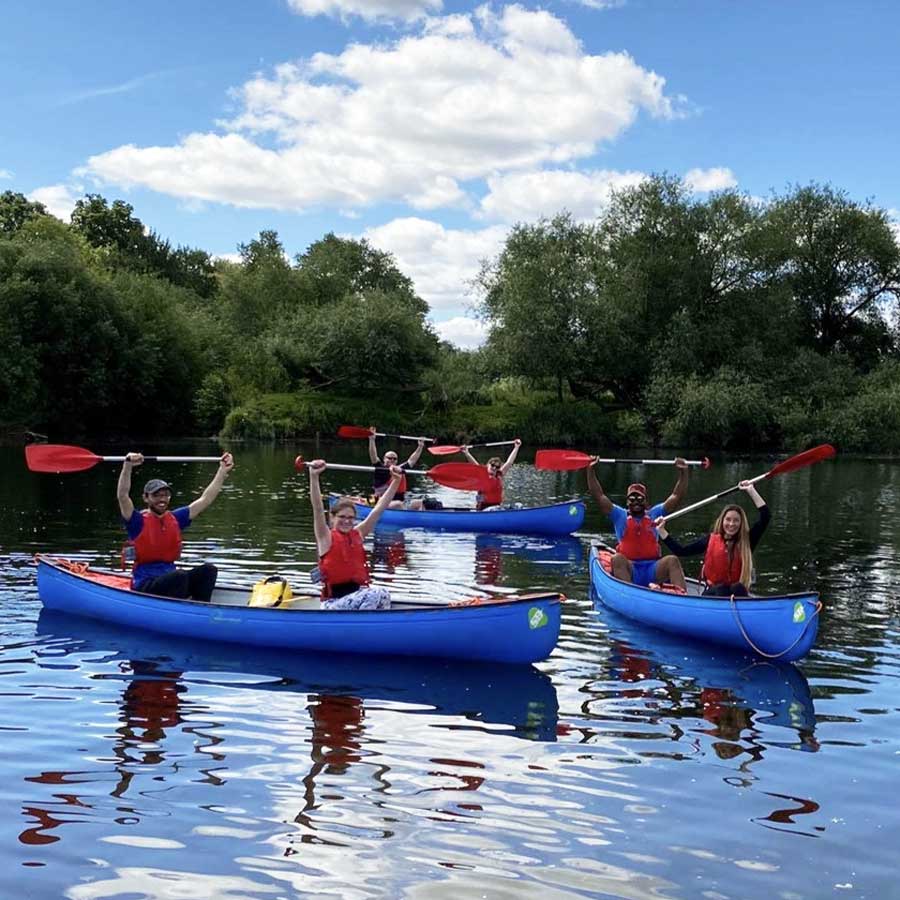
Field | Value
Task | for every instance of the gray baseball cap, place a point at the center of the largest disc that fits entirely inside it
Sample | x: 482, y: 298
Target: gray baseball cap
x: 156, y: 484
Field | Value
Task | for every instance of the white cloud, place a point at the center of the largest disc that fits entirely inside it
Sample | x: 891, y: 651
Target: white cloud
x: 527, y: 196
x: 704, y: 180
x: 416, y: 121
x: 59, y: 199
x: 463, y: 332
x: 5, y: 174
x: 894, y: 222
x: 442, y: 262
x: 369, y: 10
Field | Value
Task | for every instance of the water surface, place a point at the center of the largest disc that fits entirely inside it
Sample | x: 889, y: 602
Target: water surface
x: 629, y: 764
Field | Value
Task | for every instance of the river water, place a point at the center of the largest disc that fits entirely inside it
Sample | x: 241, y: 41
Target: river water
x: 628, y: 764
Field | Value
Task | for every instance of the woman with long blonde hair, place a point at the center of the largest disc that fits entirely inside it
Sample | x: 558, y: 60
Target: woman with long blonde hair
x: 728, y: 549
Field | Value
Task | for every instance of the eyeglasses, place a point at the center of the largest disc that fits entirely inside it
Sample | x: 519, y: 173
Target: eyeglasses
x: 390, y: 459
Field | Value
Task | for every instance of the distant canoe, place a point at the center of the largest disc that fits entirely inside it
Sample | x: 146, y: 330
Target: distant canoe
x: 780, y: 627
x: 509, y: 629
x: 556, y: 518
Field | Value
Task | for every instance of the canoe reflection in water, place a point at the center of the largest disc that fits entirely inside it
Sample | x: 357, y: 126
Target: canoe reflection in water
x: 519, y: 697
x: 565, y: 554
x: 178, y: 700
x: 738, y: 695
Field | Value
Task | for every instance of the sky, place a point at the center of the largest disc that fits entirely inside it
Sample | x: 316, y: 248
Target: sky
x: 430, y: 128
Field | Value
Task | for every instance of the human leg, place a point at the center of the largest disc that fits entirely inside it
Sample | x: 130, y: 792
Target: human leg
x: 622, y: 567
x: 364, y: 598
x: 173, y: 584
x: 668, y: 570
x: 202, y: 581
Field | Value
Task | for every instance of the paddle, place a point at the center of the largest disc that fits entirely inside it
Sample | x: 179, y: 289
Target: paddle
x: 59, y: 458
x: 800, y: 461
x: 447, y: 449
x: 355, y: 431
x: 462, y: 476
x: 567, y: 460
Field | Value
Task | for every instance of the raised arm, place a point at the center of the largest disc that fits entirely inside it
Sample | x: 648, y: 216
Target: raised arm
x: 414, y: 456
x: 468, y: 455
x: 762, y: 523
x: 320, y: 525
x: 123, y: 490
x: 679, y: 492
x: 371, y: 520
x: 373, y: 450
x: 597, y: 491
x: 203, y: 502
x: 511, y: 458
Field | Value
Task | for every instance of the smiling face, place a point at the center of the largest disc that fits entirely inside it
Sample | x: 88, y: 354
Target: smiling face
x: 391, y: 459
x: 158, y: 501
x: 343, y: 516
x: 636, y: 504
x: 731, y: 523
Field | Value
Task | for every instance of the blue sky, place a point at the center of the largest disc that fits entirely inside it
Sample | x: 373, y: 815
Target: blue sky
x: 431, y: 127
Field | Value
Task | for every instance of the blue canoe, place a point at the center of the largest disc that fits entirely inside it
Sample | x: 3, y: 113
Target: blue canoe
x: 557, y: 518
x: 782, y: 627
x: 510, y: 629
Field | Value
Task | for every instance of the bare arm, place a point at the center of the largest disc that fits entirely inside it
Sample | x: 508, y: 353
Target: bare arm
x: 414, y: 456
x: 469, y: 456
x: 371, y: 520
x: 123, y: 491
x: 373, y: 450
x: 679, y: 492
x: 597, y: 492
x: 320, y: 525
x: 752, y: 493
x: 511, y: 458
x: 212, y: 490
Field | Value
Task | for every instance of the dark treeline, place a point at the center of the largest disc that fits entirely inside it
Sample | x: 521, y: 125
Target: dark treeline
x: 722, y: 322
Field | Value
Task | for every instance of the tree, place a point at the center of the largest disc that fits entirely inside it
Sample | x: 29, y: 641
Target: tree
x: 16, y: 209
x: 535, y: 297
x: 336, y: 268
x: 841, y: 263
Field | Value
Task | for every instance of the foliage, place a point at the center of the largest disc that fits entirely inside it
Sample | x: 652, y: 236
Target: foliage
x: 16, y: 209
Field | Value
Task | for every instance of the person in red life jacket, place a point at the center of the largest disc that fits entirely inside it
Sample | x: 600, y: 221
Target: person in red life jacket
x: 381, y: 477
x: 493, y: 494
x: 637, y: 557
x: 728, y: 550
x: 156, y: 534
x: 343, y: 569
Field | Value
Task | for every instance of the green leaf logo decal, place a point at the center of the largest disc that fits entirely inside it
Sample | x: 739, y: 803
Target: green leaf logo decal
x: 537, y: 618
x: 799, y: 613
x: 573, y: 510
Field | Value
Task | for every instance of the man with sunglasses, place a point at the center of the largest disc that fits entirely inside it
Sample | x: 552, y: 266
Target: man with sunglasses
x: 381, y: 477
x: 637, y: 557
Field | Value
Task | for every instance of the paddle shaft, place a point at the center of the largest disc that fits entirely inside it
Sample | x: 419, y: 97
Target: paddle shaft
x: 657, y: 462
x: 725, y: 493
x: 345, y: 467
x: 166, y: 459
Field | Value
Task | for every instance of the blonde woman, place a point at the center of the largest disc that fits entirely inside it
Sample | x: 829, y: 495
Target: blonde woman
x: 728, y: 549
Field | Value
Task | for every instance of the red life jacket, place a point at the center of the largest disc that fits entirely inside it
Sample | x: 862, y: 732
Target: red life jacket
x: 492, y: 495
x: 345, y: 561
x: 398, y: 494
x: 159, y: 540
x: 639, y: 540
x: 717, y: 567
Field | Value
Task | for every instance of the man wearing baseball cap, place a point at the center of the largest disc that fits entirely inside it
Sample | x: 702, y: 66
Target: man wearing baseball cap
x: 637, y: 557
x: 156, y: 534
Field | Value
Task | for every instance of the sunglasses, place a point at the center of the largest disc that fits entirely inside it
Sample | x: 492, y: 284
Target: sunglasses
x: 631, y: 497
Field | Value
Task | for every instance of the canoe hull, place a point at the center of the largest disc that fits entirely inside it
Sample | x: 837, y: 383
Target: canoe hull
x: 782, y: 628
x: 520, y: 630
x: 555, y: 519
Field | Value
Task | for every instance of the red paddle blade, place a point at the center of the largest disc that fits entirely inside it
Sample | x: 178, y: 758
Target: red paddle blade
x: 354, y: 431
x: 59, y: 458
x: 444, y: 450
x: 561, y: 460
x: 807, y: 458
x: 460, y: 475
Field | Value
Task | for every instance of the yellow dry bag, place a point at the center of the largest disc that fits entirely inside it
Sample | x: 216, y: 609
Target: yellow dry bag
x: 271, y: 591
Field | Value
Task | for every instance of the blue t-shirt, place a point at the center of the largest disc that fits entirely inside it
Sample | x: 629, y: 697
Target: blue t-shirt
x: 619, y: 516
x: 134, y: 526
